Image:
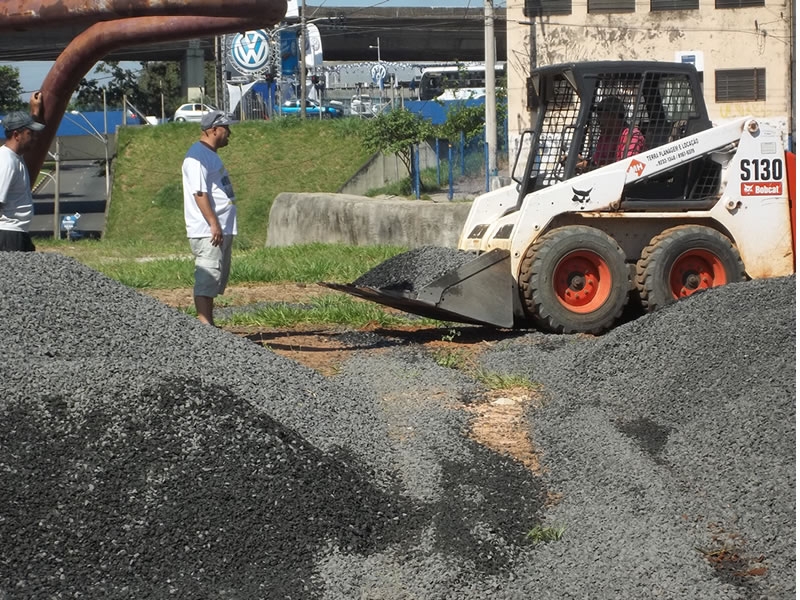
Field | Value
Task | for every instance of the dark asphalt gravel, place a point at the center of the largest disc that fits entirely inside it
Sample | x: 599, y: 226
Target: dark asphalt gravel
x: 146, y: 456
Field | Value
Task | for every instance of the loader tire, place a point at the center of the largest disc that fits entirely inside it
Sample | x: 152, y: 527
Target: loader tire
x: 684, y: 260
x: 574, y: 280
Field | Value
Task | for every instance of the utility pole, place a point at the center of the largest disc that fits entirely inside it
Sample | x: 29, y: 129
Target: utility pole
x: 56, y: 192
x: 302, y: 57
x: 217, y: 74
x: 379, y: 49
x: 491, y: 96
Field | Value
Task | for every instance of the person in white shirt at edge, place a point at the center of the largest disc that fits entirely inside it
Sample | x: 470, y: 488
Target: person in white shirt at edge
x: 16, y: 197
x: 209, y: 208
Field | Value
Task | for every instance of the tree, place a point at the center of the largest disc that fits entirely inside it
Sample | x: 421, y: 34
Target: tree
x: 10, y: 90
x: 395, y: 132
x: 213, y: 86
x: 155, y: 79
x: 461, y: 117
x: 122, y: 83
x: 471, y: 120
x: 89, y: 96
x: 144, y: 88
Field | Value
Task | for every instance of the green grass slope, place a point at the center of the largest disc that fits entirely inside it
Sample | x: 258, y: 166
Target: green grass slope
x: 264, y: 158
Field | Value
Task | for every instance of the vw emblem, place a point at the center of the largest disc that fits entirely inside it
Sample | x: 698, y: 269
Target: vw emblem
x: 250, y: 51
x: 378, y: 72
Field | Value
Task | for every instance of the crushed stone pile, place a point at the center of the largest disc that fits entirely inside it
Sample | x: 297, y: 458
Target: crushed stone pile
x: 671, y: 443
x: 413, y: 270
x: 147, y: 456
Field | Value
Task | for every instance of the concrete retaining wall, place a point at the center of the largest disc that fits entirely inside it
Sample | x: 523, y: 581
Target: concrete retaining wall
x: 385, y: 168
x: 303, y: 218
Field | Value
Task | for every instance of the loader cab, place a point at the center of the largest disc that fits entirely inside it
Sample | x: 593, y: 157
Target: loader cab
x: 661, y: 102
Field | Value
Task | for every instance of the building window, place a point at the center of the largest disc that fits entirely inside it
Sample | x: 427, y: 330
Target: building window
x: 737, y: 3
x: 658, y: 5
x: 611, y: 6
x: 538, y: 8
x: 741, y: 85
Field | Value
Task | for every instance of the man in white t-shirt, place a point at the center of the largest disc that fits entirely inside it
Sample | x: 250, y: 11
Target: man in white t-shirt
x: 16, y: 198
x: 209, y: 208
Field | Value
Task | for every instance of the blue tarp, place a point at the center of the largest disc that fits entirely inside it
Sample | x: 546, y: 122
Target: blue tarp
x: 289, y: 58
x: 267, y: 91
x: 435, y: 111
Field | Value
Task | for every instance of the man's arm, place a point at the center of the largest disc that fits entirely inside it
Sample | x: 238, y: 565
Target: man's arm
x: 206, y: 208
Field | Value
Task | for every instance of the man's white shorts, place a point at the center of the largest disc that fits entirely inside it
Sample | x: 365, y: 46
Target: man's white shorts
x: 212, y: 265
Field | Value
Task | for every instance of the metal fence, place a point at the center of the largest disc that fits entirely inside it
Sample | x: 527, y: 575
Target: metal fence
x: 461, y: 164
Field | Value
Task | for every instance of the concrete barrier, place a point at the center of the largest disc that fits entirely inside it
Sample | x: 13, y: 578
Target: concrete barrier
x: 385, y: 168
x: 303, y: 218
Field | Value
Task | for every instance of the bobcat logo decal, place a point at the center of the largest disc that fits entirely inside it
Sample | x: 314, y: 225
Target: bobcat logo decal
x: 581, y: 196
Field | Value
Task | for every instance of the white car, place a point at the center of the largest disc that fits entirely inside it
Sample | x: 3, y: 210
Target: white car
x: 361, y: 105
x: 191, y: 112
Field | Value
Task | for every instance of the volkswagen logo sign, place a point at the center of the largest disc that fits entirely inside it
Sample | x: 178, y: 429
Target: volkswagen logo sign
x: 250, y: 52
x: 378, y: 72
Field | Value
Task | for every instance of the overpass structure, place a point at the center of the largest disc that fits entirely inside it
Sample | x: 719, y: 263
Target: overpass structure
x: 407, y: 34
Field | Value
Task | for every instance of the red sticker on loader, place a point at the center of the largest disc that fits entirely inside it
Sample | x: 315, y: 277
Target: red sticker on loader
x: 767, y: 188
x: 637, y: 167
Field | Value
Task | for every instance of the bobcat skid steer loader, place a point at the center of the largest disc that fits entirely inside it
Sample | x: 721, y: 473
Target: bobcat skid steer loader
x: 563, y: 247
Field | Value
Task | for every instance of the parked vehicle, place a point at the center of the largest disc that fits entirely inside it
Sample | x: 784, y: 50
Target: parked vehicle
x: 292, y: 107
x: 361, y: 105
x: 457, y: 82
x: 192, y: 111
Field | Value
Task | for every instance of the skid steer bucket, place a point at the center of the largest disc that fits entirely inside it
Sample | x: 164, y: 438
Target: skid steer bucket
x: 481, y: 291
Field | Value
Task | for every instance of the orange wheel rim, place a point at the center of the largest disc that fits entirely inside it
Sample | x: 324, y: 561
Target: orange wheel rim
x: 696, y: 270
x: 582, y: 281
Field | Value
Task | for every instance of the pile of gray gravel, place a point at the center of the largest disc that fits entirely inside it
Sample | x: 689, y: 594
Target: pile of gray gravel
x: 413, y: 270
x: 145, y: 455
x: 671, y: 443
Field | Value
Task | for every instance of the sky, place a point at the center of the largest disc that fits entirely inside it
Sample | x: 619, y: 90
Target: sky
x: 32, y: 73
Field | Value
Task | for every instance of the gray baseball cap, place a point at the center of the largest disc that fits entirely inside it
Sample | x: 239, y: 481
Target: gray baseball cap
x: 215, y: 118
x: 20, y: 120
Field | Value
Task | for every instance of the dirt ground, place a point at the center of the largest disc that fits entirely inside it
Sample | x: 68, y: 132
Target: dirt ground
x: 498, y: 418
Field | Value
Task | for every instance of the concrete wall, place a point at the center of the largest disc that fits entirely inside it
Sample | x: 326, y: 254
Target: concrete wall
x: 297, y: 218
x: 382, y: 169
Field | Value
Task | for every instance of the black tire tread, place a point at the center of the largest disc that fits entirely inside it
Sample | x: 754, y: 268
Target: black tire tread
x: 530, y: 271
x: 652, y: 254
